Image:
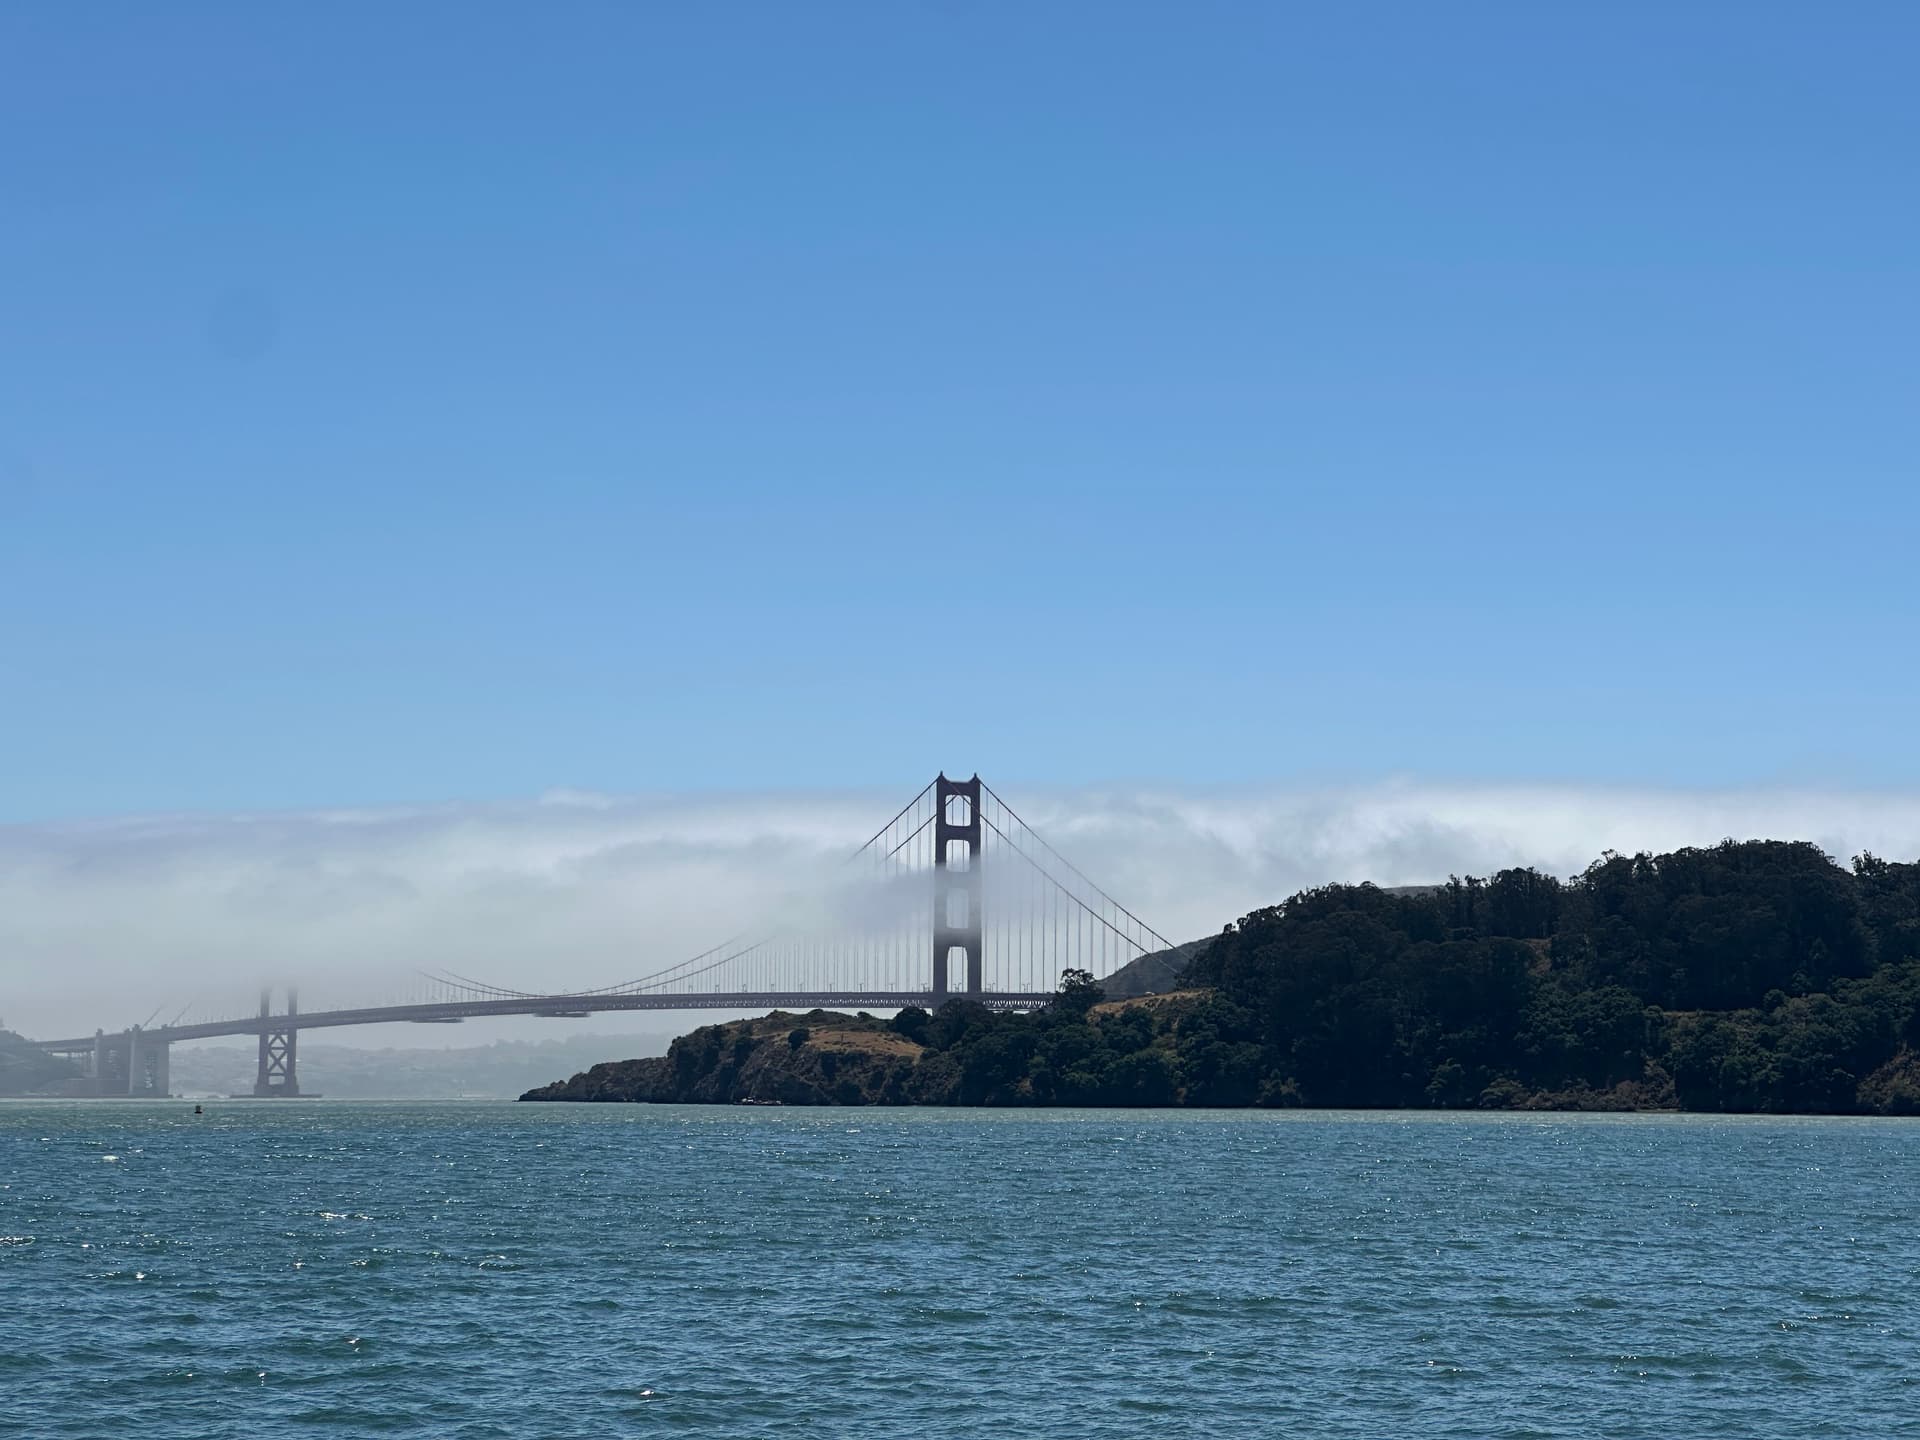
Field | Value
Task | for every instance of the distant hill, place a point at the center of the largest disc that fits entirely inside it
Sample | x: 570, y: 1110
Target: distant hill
x: 25, y: 1069
x: 1154, y: 974
x: 497, y: 1071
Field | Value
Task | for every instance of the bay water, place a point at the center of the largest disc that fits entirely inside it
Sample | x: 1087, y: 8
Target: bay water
x: 309, y: 1269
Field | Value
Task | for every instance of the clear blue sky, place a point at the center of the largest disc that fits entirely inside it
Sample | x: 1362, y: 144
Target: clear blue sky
x: 415, y: 403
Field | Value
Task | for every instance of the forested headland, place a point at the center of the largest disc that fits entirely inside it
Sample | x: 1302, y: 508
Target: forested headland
x: 1755, y: 976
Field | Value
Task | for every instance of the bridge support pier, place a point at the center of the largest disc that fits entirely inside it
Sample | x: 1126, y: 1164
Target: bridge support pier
x: 132, y: 1064
x: 956, y: 884
x: 278, y: 1076
x: 113, y: 1063
x: 149, y: 1067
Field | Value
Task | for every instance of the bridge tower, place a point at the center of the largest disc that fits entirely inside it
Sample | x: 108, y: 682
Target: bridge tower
x: 278, y: 1075
x: 956, y: 883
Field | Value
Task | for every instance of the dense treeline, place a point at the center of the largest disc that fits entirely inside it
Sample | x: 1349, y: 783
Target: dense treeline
x: 1758, y: 976
x: 1755, y: 976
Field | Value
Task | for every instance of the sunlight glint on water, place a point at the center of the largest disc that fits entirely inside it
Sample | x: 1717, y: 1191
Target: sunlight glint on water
x: 549, y: 1271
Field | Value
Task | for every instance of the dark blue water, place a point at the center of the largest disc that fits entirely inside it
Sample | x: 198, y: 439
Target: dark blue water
x: 318, y: 1269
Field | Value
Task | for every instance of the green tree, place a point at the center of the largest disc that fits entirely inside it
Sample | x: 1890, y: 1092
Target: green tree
x: 912, y: 1022
x: 1079, y: 992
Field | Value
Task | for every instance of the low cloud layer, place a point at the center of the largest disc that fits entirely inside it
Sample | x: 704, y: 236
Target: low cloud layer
x: 108, y: 922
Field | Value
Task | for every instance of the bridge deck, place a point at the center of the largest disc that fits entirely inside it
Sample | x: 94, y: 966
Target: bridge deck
x: 440, y: 1012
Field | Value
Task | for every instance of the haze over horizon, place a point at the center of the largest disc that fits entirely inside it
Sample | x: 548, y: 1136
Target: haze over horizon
x: 578, y: 890
x: 465, y: 502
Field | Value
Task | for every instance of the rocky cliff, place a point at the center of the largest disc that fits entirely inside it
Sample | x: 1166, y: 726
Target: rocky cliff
x: 820, y: 1058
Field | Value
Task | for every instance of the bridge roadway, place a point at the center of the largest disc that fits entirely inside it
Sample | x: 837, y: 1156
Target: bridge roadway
x: 443, y: 1012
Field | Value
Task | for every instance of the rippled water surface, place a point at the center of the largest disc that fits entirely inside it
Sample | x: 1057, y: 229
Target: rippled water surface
x: 306, y: 1269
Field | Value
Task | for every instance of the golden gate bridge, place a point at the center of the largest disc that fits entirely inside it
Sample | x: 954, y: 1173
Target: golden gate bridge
x: 955, y: 897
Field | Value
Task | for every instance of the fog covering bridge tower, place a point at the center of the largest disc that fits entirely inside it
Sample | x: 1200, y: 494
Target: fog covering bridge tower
x: 1005, y: 912
x: 956, y: 865
x: 956, y: 884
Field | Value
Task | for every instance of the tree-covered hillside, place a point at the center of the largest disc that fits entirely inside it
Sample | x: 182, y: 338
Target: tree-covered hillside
x: 1756, y: 976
